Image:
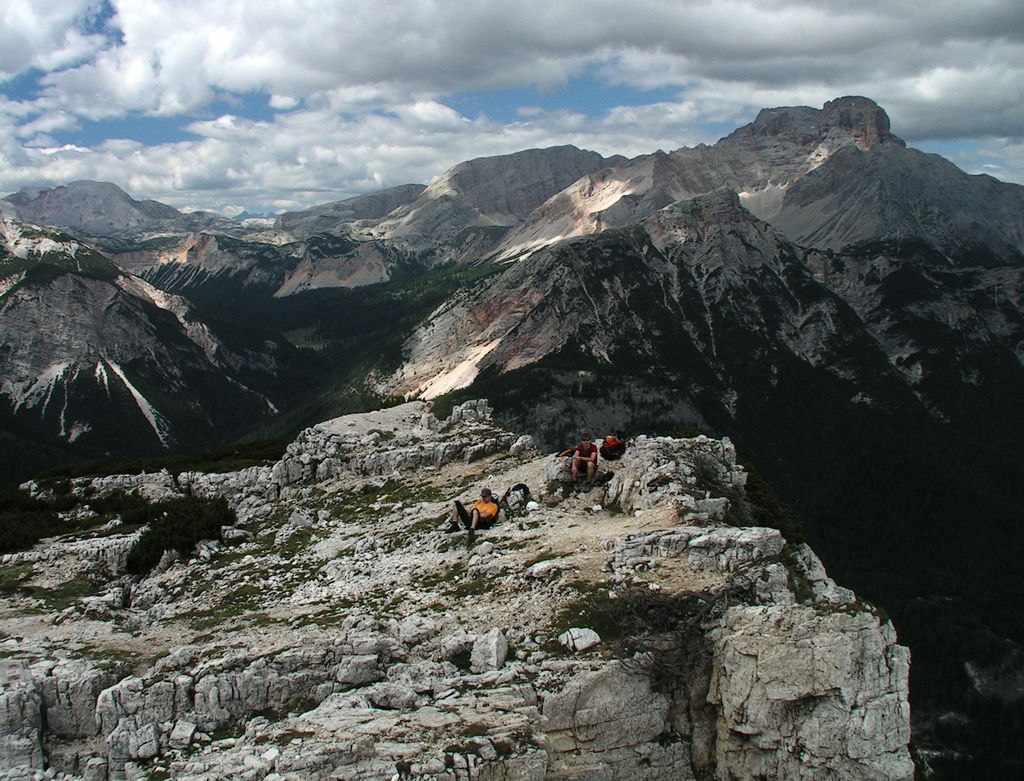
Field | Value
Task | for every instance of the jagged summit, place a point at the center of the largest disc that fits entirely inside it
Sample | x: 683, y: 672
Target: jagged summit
x: 336, y: 630
x: 469, y: 208
x: 758, y: 161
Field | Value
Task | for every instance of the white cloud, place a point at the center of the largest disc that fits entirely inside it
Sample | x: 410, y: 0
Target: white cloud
x: 355, y: 90
x: 47, y: 123
x: 311, y: 156
x: 45, y: 34
x: 1002, y: 158
x: 283, y: 102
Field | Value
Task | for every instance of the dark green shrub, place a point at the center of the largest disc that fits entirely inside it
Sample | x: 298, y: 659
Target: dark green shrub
x: 23, y: 520
x: 132, y: 508
x: 178, y: 524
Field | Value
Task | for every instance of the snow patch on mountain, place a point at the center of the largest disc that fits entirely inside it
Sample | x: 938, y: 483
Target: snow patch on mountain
x: 157, y: 421
x: 271, y: 407
x: 40, y: 391
x: 100, y: 374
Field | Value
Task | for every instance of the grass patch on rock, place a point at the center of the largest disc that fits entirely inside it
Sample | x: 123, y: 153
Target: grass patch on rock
x: 299, y: 540
x: 13, y: 576
x: 477, y: 585
x: 434, y: 523
x: 67, y: 593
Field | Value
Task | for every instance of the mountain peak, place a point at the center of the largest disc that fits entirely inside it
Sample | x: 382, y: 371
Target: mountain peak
x: 517, y: 183
x: 864, y: 120
x: 851, y: 118
x: 92, y: 207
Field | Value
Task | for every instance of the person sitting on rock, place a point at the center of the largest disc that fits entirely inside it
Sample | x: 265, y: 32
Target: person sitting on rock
x: 481, y: 515
x: 584, y: 456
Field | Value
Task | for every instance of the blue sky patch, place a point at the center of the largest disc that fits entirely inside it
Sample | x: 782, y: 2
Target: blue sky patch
x: 584, y: 95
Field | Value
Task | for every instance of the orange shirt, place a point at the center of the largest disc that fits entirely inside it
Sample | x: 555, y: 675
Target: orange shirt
x: 488, y: 509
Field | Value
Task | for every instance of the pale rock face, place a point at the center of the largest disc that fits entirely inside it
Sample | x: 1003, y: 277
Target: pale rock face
x: 70, y: 693
x: 773, y: 665
x: 611, y: 719
x: 20, y: 718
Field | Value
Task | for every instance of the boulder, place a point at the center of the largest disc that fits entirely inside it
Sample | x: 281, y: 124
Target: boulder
x: 489, y: 652
x: 579, y: 639
x: 391, y: 696
x: 456, y: 644
x: 605, y: 709
x: 416, y: 629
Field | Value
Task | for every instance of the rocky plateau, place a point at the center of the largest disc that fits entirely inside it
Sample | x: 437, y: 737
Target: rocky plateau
x: 636, y: 629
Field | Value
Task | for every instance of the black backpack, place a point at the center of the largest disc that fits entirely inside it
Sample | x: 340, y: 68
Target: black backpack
x: 515, y: 498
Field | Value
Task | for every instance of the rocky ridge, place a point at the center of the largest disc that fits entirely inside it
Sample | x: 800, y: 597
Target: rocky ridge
x: 826, y: 178
x: 102, y: 209
x: 336, y: 632
x: 759, y: 162
x: 704, y: 274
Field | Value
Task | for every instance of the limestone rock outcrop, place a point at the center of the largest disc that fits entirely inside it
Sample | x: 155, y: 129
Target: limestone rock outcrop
x: 800, y: 693
x: 343, y: 634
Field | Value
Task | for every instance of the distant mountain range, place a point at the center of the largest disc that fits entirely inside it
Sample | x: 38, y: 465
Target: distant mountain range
x: 844, y: 307
x: 900, y: 251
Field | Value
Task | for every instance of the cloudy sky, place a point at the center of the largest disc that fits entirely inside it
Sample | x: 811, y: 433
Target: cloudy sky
x: 272, y: 105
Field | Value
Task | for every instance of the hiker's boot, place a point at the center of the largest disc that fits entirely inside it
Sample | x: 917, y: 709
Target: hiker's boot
x: 472, y: 536
x: 452, y: 528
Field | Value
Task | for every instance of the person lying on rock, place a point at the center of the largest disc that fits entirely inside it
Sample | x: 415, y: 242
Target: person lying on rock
x: 584, y: 458
x: 481, y: 515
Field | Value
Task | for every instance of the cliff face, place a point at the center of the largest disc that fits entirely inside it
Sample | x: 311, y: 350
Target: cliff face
x: 633, y: 630
x: 96, y: 358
